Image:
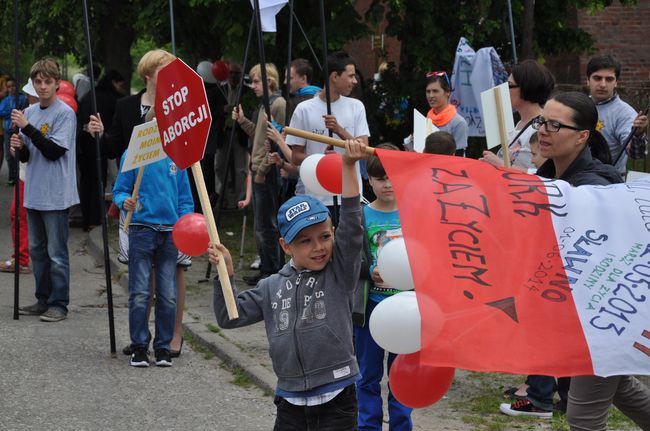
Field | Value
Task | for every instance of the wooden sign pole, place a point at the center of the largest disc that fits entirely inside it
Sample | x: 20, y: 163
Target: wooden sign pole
x: 231, y: 306
x: 320, y: 138
x: 134, y: 195
x: 503, y: 136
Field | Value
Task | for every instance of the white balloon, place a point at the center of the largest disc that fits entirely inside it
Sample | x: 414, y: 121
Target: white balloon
x: 393, y: 265
x: 395, y: 323
x: 308, y: 176
x: 204, y: 69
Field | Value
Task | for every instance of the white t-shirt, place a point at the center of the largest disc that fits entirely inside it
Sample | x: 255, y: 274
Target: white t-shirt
x: 520, y: 154
x: 350, y: 114
x: 51, y: 185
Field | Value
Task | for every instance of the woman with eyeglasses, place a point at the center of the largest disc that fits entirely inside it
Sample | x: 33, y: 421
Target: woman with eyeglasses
x: 530, y: 85
x: 443, y: 114
x: 578, y: 154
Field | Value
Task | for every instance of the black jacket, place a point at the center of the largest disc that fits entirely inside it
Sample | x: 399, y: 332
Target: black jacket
x: 127, y: 116
x: 584, y: 170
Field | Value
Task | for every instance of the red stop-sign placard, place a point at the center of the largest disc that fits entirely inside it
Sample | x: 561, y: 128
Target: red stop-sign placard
x: 182, y: 113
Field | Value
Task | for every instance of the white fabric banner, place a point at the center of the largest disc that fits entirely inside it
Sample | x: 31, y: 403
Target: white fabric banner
x: 474, y: 72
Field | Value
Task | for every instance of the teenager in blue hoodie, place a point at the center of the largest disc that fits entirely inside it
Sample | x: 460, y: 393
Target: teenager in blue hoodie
x: 163, y: 198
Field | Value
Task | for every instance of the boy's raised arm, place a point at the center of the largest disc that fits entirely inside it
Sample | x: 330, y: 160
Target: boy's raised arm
x: 355, y: 149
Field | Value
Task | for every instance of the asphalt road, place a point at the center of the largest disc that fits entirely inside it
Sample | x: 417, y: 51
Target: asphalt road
x: 60, y: 376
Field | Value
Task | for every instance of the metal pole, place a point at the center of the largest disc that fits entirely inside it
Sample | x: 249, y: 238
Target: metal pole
x: 233, y: 130
x: 307, y: 40
x: 512, y: 33
x: 326, y: 83
x: 102, y: 204
x: 171, y: 22
x: 288, y: 73
x: 16, y: 161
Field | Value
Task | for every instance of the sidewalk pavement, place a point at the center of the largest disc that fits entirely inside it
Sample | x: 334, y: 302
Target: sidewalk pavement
x: 243, y: 348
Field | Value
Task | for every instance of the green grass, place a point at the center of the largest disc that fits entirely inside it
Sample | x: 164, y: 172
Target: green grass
x: 481, y: 410
x: 240, y: 378
x: 213, y: 328
x: 197, y: 347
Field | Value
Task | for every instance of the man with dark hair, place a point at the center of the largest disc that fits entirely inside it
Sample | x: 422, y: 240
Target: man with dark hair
x: 300, y: 88
x: 616, y: 119
x: 347, y: 121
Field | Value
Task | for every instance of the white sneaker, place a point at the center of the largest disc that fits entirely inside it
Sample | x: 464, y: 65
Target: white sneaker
x: 256, y: 263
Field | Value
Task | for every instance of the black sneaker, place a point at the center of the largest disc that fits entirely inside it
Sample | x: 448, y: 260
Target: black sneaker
x: 525, y: 408
x: 32, y: 310
x: 163, y: 358
x: 140, y: 357
x: 128, y: 351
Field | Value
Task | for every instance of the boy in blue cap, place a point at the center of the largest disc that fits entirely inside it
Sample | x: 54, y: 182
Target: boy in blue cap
x: 306, y: 308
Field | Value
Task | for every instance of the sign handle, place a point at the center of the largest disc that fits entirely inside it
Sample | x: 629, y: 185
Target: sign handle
x: 134, y: 195
x: 502, y: 128
x: 321, y: 138
x: 197, y: 172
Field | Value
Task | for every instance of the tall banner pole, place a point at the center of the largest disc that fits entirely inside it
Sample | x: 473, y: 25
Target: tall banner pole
x: 17, y: 167
x: 326, y: 83
x: 288, y: 73
x: 231, y: 139
x: 260, y: 42
x: 100, y: 183
x: 512, y: 32
x: 171, y: 22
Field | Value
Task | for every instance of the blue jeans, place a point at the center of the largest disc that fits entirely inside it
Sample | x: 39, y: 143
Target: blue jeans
x: 265, y: 207
x: 541, y: 390
x: 371, y: 364
x: 48, y: 247
x: 149, y: 247
x: 338, y: 414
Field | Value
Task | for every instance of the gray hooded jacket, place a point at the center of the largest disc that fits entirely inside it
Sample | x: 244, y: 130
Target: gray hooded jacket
x: 307, y: 314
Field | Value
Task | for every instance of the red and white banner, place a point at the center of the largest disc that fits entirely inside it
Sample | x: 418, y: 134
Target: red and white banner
x: 520, y: 274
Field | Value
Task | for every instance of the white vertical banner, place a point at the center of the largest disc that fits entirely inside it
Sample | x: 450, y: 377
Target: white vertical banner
x: 474, y: 72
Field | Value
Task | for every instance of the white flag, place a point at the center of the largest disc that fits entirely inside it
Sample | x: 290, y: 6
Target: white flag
x: 268, y: 10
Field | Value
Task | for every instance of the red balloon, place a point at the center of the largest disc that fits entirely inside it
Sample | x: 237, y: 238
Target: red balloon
x: 68, y: 100
x: 418, y: 385
x: 190, y: 234
x: 220, y: 70
x: 66, y: 87
x: 329, y: 173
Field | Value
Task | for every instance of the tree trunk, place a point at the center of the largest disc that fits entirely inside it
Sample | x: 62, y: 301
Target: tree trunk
x: 529, y: 27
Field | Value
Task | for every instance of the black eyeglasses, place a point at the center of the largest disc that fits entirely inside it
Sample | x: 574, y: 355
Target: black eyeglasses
x: 551, y: 125
x: 512, y: 85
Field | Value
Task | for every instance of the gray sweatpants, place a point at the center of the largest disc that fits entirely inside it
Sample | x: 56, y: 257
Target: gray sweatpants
x: 591, y: 396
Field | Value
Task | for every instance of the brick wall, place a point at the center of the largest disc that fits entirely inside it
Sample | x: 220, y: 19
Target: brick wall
x: 623, y: 32
x: 366, y: 58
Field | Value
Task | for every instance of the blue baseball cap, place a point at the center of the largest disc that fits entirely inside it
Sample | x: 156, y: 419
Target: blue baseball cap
x: 298, y: 213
